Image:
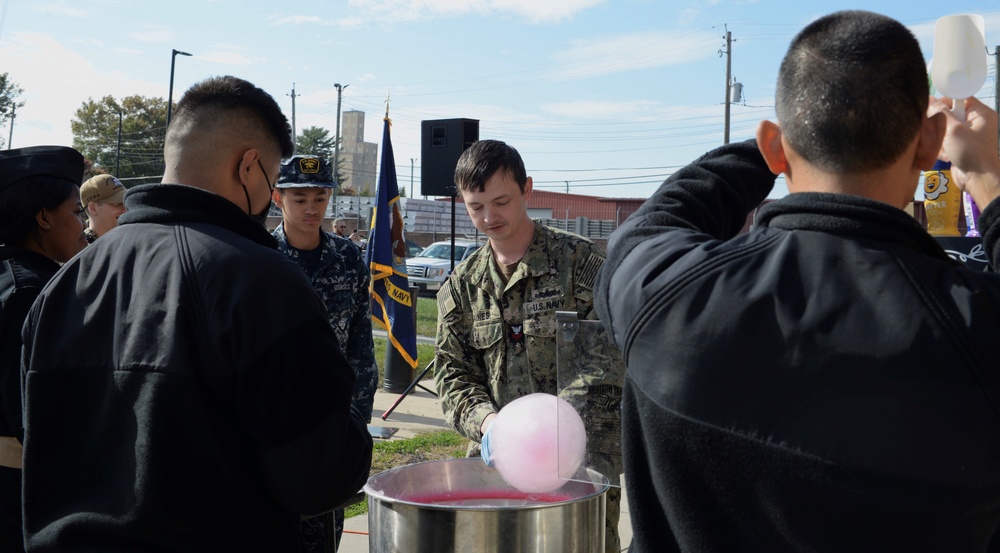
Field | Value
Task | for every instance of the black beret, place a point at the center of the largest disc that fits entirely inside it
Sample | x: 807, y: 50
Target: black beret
x: 57, y: 162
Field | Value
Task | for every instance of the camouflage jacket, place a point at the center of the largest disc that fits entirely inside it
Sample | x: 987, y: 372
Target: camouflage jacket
x: 496, y: 342
x: 341, y: 280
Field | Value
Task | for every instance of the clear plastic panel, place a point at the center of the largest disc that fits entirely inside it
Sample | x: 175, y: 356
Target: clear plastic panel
x: 589, y: 376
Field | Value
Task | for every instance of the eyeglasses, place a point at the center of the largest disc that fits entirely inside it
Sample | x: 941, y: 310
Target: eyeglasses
x: 269, y: 185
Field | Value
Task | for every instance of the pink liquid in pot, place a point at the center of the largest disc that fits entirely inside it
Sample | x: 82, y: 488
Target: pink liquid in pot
x: 486, y: 498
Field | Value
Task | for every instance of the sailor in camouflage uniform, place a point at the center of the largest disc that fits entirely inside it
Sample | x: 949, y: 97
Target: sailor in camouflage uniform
x: 337, y: 270
x: 496, y: 337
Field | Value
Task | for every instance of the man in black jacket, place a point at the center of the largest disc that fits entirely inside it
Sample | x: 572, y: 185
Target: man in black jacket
x: 184, y: 390
x: 827, y: 381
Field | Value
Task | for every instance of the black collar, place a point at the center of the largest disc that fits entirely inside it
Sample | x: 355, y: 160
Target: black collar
x: 178, y: 203
x: 28, y: 256
x: 847, y: 215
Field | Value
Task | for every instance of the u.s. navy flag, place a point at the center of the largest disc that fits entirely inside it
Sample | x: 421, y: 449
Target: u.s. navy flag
x: 392, y: 304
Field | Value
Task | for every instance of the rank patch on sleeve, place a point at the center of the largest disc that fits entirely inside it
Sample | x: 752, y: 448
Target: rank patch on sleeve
x: 587, y: 271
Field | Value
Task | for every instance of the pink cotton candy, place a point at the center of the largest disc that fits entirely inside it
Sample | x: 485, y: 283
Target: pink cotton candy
x: 539, y: 442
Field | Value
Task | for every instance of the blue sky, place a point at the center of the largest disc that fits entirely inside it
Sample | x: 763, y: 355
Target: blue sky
x: 610, y: 95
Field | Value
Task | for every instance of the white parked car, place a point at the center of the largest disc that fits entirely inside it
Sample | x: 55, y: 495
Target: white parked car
x: 431, y: 267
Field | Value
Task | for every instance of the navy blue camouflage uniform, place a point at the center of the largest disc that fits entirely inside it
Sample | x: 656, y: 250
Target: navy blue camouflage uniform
x: 341, y: 280
x: 342, y: 283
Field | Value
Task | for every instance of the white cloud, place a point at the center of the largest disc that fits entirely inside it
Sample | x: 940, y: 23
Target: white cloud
x: 282, y: 20
x: 321, y: 97
x: 350, y: 22
x: 535, y: 11
x: 224, y: 57
x: 602, y: 55
x: 365, y: 77
x: 56, y: 81
x: 313, y: 20
x: 155, y: 34
x: 687, y: 15
x: 603, y: 110
x: 60, y: 9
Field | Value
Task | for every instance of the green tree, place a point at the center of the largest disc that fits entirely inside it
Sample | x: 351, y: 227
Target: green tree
x: 318, y: 142
x: 143, y: 124
x: 315, y: 141
x: 9, y: 93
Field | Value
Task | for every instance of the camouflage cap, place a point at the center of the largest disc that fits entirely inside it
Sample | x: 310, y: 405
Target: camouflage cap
x: 306, y: 172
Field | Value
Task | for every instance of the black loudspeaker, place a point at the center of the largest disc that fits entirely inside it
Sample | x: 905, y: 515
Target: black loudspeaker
x: 442, y: 142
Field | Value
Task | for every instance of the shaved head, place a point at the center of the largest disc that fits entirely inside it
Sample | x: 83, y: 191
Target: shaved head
x: 215, y: 122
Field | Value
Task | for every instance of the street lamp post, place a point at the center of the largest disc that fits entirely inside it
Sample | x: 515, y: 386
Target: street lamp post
x: 170, y: 93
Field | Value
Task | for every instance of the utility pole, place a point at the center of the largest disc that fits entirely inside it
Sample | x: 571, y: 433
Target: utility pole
x: 567, y: 186
x: 729, y: 68
x: 412, y: 160
x: 118, y: 154
x: 10, y: 138
x: 336, y: 146
x: 293, y: 95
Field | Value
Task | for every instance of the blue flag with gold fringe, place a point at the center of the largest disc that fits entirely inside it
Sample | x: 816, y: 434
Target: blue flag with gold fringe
x: 392, y: 304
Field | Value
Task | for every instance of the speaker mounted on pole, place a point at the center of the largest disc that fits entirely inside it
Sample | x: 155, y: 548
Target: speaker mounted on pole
x: 442, y: 143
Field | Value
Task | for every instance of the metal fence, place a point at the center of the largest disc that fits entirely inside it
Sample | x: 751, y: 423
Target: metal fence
x: 430, y: 217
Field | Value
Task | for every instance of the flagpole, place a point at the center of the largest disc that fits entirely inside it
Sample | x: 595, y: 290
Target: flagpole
x: 393, y: 301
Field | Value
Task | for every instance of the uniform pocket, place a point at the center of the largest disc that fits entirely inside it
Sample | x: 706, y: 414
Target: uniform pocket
x: 541, y: 326
x: 487, y: 334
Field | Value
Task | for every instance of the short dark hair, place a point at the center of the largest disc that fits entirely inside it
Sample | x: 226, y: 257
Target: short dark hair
x: 485, y: 158
x: 20, y: 202
x: 852, y: 91
x: 235, y: 95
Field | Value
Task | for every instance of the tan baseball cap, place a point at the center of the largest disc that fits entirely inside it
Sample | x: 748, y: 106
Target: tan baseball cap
x: 102, y: 188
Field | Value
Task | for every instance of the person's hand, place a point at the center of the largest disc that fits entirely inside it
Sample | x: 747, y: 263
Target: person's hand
x: 971, y: 146
x: 355, y: 237
x: 486, y: 446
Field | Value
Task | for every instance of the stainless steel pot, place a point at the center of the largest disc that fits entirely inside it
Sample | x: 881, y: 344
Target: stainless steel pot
x: 463, y: 505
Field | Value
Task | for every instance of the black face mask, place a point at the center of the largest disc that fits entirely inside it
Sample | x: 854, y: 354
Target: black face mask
x: 262, y: 216
x: 259, y: 217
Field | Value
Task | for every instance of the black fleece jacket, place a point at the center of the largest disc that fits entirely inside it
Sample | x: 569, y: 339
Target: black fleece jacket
x: 184, y: 390
x: 826, y: 382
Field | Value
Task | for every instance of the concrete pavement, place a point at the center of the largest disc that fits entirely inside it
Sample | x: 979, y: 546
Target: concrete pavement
x: 421, y: 412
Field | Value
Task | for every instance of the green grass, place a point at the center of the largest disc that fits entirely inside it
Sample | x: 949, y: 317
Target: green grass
x: 431, y: 446
x: 425, y: 353
x: 427, y: 313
